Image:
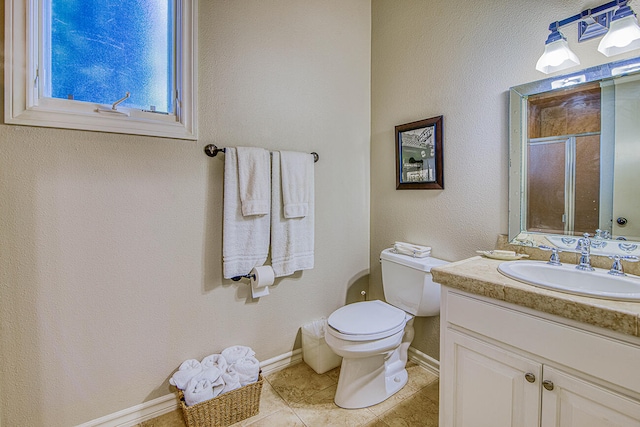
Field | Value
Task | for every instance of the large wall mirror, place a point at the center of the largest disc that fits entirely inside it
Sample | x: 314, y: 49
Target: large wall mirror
x: 574, y: 158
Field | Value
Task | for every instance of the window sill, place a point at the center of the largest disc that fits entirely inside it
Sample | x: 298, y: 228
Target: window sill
x: 163, y: 126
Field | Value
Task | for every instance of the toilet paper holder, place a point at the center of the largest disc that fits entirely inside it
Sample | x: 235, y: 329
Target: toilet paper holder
x: 246, y: 276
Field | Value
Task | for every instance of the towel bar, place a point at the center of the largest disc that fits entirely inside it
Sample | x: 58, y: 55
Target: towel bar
x: 211, y: 150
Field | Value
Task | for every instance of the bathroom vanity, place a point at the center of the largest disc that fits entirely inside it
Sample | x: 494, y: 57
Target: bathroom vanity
x: 513, y: 354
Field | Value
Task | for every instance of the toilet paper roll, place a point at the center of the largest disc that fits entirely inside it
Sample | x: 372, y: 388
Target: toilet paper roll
x: 262, y: 278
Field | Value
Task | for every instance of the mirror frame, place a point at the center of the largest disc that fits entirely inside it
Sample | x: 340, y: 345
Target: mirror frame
x: 518, y: 96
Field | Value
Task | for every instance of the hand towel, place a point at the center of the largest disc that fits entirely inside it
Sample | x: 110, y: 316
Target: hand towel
x: 231, y: 380
x: 416, y: 251
x: 214, y: 360
x: 245, y: 239
x: 248, y: 369
x: 292, y: 239
x: 187, y: 370
x: 296, y: 173
x: 235, y: 352
x: 254, y: 170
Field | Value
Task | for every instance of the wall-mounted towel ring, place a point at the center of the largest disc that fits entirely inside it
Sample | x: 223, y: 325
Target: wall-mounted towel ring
x: 212, y: 150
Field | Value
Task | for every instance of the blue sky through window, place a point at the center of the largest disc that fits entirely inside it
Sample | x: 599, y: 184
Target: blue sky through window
x: 101, y: 49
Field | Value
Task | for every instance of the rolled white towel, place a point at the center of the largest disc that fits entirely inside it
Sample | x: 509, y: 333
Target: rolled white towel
x: 231, y: 380
x: 204, y: 386
x: 214, y: 376
x: 248, y: 369
x: 214, y: 360
x: 197, y: 391
x: 235, y: 352
x: 187, y: 370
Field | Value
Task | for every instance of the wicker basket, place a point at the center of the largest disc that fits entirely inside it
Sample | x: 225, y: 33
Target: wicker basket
x: 226, y: 409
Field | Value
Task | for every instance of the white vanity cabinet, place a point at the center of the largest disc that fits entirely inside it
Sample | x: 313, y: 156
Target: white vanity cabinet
x: 503, y: 365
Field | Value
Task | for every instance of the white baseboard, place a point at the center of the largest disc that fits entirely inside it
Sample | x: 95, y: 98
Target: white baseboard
x: 424, y: 360
x: 136, y: 414
x: 278, y: 363
x: 165, y: 404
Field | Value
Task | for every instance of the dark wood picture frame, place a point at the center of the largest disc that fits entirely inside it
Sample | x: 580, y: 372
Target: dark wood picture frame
x: 419, y: 159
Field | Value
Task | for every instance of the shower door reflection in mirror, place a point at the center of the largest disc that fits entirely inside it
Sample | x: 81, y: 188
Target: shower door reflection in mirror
x: 574, y: 156
x: 563, y: 161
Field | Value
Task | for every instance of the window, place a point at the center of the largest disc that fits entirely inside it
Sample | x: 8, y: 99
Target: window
x: 112, y: 66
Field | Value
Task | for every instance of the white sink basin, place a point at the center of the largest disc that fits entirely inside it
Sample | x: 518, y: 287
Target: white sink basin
x: 566, y: 278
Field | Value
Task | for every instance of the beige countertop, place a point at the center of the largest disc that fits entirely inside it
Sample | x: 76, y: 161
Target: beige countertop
x: 480, y: 276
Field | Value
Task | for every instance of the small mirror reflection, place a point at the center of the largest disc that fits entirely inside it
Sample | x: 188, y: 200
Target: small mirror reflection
x: 418, y: 155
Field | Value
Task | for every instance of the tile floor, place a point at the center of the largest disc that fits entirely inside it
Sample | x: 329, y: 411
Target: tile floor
x: 297, y: 396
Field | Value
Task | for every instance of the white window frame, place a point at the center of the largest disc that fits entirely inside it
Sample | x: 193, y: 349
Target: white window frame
x: 23, y: 104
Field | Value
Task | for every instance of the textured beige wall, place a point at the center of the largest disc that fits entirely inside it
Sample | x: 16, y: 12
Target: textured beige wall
x: 433, y: 58
x: 110, y: 245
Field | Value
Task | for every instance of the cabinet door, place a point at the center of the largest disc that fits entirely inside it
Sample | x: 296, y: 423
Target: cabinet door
x: 487, y: 386
x: 574, y: 402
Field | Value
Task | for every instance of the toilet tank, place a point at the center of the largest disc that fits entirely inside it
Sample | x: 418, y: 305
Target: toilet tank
x: 408, y: 284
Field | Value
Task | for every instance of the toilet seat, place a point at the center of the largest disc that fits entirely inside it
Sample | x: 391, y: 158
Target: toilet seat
x: 367, y: 320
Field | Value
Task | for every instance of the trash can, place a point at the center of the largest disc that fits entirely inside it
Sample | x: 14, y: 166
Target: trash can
x: 315, y: 351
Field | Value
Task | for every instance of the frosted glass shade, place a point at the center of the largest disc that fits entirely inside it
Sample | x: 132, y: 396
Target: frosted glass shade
x: 623, y: 36
x: 557, y: 56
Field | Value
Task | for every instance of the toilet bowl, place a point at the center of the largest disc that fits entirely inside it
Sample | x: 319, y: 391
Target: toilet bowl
x: 373, y: 337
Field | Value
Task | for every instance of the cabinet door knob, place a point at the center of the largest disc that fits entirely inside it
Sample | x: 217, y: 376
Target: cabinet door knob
x: 530, y: 377
x: 547, y: 384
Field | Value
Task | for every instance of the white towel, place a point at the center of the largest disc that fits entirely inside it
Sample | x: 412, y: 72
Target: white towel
x: 248, y: 369
x: 198, y: 391
x: 204, y: 386
x: 231, y: 380
x: 214, y: 376
x: 416, y: 251
x: 254, y: 170
x: 292, y: 239
x: 187, y: 370
x: 235, y: 352
x: 214, y: 360
x: 296, y: 173
x: 245, y: 240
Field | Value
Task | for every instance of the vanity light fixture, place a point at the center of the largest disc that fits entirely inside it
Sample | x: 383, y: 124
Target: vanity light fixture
x: 623, y: 35
x: 557, y: 55
x: 621, y: 29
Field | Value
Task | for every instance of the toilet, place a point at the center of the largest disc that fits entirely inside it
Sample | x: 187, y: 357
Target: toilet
x: 373, y: 337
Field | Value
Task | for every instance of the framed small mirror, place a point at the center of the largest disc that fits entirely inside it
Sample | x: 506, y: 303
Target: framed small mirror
x: 419, y: 160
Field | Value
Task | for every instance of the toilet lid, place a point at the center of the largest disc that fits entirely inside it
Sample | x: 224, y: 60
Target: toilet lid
x: 366, y: 318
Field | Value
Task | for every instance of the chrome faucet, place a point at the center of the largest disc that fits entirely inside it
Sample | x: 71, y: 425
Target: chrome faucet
x: 584, y: 246
x: 616, y: 268
x: 554, y: 259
